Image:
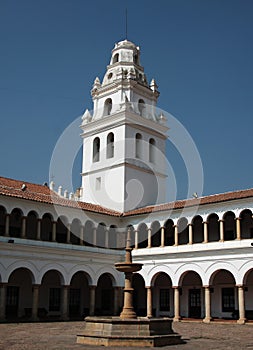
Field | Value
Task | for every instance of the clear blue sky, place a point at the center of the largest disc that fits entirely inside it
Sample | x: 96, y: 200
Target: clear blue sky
x: 199, y: 51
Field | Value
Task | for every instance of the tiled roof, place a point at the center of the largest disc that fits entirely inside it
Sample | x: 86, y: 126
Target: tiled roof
x: 41, y: 193
x: 180, y: 204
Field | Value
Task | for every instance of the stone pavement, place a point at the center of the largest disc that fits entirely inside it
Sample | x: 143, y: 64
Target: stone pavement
x: 62, y: 336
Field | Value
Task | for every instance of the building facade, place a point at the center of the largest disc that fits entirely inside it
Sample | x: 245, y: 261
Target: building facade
x: 58, y: 254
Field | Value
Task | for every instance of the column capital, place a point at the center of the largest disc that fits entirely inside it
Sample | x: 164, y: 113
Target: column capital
x: 240, y: 285
x: 3, y: 284
x: 238, y: 218
x: 221, y: 220
x: 35, y: 285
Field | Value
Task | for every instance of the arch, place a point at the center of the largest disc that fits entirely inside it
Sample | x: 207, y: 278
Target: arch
x: 197, y: 229
x: 142, y: 236
x: 115, y: 58
x: 156, y: 234
x: 75, y: 231
x: 107, y: 107
x: 141, y: 106
x: 2, y: 220
x: 162, y: 295
x: 191, y: 295
x: 105, y: 295
x: 139, y: 295
x: 246, y: 224
x: 61, y: 229
x: 110, y: 145
x: 213, y: 228
x: 79, y: 295
x: 169, y: 233
x: 183, y: 231
x: 16, y: 222
x: 88, y: 238
x: 112, y: 237
x: 53, y: 267
x: 46, y: 227
x: 152, y: 148
x: 138, y: 145
x: 86, y: 269
x: 217, y: 266
x: 229, y: 226
x: 184, y: 269
x: 31, y: 225
x: 96, y: 149
x: 51, y: 286
x: 100, y: 242
x: 153, y: 272
x: 26, y: 265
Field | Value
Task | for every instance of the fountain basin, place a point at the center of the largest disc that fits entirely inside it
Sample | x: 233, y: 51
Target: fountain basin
x: 128, y: 267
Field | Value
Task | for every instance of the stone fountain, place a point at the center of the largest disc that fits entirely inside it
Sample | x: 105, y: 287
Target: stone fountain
x: 128, y: 329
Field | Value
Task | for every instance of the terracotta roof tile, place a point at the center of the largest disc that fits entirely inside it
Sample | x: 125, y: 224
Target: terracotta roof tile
x: 41, y: 193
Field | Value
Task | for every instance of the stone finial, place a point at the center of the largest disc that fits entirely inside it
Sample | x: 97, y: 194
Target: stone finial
x: 71, y: 196
x: 153, y: 86
x: 86, y: 117
x: 51, y: 185
x: 60, y: 190
x: 66, y: 194
x: 96, y: 83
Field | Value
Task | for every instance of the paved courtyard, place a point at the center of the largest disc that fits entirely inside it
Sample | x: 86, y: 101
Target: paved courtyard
x: 62, y: 336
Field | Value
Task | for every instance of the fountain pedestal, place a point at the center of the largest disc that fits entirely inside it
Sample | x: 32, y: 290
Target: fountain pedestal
x: 128, y: 329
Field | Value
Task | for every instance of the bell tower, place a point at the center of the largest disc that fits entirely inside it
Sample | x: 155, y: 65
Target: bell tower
x: 124, y: 164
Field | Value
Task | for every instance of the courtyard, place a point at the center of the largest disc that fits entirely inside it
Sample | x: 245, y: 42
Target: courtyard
x: 62, y: 336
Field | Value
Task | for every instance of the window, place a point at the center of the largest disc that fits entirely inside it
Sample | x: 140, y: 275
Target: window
x: 108, y: 106
x: 54, y: 299
x: 228, y: 299
x: 152, y: 151
x: 138, y: 139
x: 141, y: 107
x: 110, y: 146
x: 96, y: 149
x: 164, y: 299
x: 98, y: 183
x: 115, y: 58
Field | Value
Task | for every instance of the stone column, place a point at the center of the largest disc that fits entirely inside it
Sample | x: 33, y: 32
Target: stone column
x: 106, y: 238
x: 35, y: 304
x: 176, y: 304
x: 241, y: 305
x: 208, y: 317
x: 190, y: 234
x: 221, y: 230
x: 54, y: 223
x: 92, y: 300
x: 162, y: 236
x: 136, y: 239
x: 149, y: 302
x: 82, y: 235
x: 65, y: 303
x: 149, y: 238
x: 7, y: 225
x: 3, y: 288
x: 238, y: 228
x: 176, y: 235
x: 68, y: 233
x: 94, y: 236
x: 38, y: 236
x: 205, y: 223
x: 23, y: 228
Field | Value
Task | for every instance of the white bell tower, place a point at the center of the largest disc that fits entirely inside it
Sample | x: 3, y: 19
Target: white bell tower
x: 124, y: 165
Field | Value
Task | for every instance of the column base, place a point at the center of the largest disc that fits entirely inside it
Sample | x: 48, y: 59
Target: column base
x: 207, y: 320
x: 241, y: 321
x: 177, y: 319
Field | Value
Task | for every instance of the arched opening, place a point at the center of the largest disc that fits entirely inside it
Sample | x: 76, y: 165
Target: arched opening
x: 138, y: 145
x: 96, y: 149
x: 152, y: 145
x: 101, y: 235
x: 16, y: 223
x: 2, y: 220
x: 213, y: 228
x: 61, y: 230
x: 88, y: 238
x: 183, y: 231
x: 191, y: 295
x: 197, y: 229
x: 50, y: 296
x: 139, y: 295
x: 31, y: 225
x: 142, y: 236
x: 79, y: 296
x: 19, y: 295
x: 107, y: 106
x: 246, y: 224
x: 112, y: 238
x: 104, y: 295
x: 248, y: 292
x: 115, y: 58
x: 75, y: 231
x: 156, y: 234
x: 163, y: 296
x: 46, y: 227
x: 169, y: 233
x: 110, y: 145
x: 132, y: 236
x: 229, y: 226
x: 141, y: 107
x: 223, y: 300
